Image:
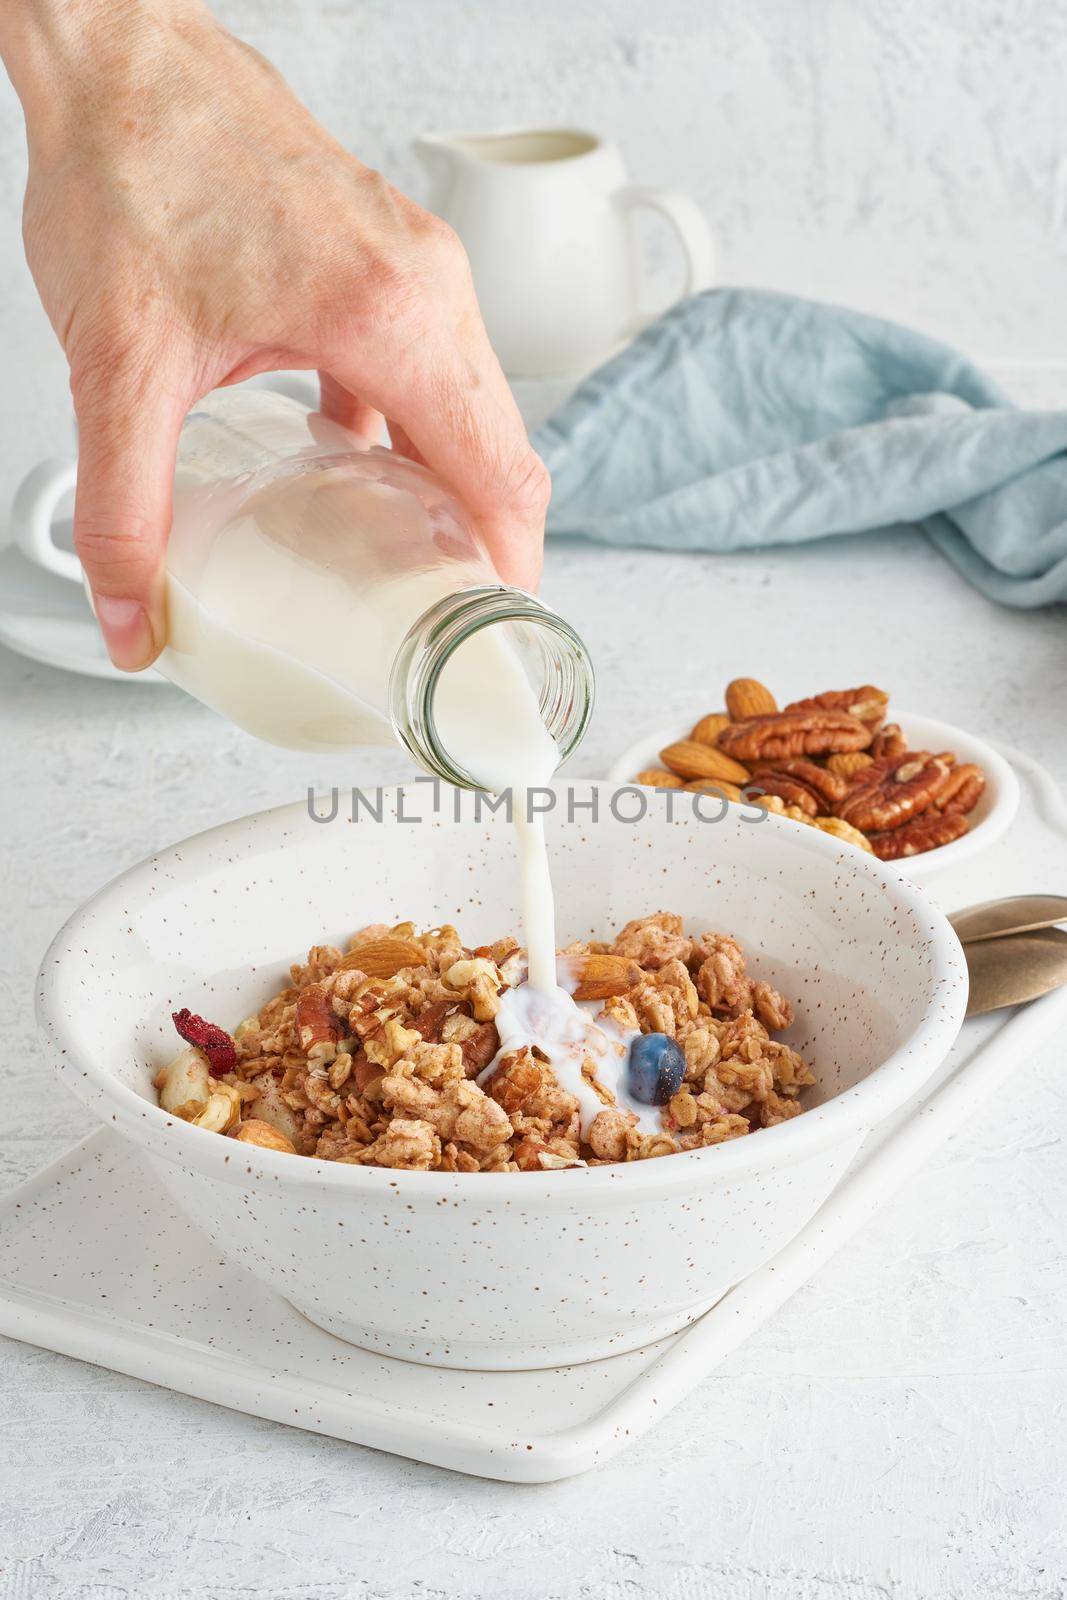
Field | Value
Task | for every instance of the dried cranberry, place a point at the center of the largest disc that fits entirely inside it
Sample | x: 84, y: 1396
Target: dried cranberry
x: 214, y: 1041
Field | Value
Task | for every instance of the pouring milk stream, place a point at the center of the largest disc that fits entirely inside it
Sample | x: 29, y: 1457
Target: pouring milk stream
x: 324, y: 595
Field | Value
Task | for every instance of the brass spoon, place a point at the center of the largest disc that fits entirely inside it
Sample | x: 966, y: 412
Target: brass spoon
x: 1011, y: 970
x: 1017, y: 913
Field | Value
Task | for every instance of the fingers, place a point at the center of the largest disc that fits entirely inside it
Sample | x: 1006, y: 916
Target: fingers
x: 479, y: 447
x: 401, y: 443
x: 425, y: 359
x: 467, y: 428
x: 128, y: 427
x: 476, y: 442
x: 340, y: 405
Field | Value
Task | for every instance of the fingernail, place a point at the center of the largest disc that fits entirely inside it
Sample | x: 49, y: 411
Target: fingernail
x: 127, y: 631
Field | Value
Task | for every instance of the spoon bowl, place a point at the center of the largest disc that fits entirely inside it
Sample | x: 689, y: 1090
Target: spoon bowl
x: 1014, y: 970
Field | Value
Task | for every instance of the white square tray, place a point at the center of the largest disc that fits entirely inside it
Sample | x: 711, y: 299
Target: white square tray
x: 95, y: 1263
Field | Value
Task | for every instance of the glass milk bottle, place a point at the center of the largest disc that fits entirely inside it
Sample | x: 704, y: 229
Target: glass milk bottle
x: 324, y: 594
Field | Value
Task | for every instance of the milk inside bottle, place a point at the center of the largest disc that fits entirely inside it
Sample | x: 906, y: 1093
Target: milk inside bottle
x: 326, y: 594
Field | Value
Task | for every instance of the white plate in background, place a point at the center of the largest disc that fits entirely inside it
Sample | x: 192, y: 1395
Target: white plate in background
x: 47, y: 618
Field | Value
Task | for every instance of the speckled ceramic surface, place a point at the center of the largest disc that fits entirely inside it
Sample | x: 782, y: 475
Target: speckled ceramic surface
x: 990, y: 820
x: 96, y: 1262
x: 503, y: 1271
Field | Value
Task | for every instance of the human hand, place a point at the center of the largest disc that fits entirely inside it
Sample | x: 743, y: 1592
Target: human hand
x: 189, y: 224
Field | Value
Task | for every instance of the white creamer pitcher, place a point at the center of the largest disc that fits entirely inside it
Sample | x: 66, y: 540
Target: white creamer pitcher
x: 546, y: 216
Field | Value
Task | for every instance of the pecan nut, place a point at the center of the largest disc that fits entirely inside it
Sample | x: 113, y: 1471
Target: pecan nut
x: 962, y: 789
x: 892, y: 791
x: 430, y: 1022
x: 888, y: 741
x: 772, y: 781
x: 816, y: 732
x: 928, y: 831
x: 849, y: 764
x: 317, y: 1024
x: 479, y: 1048
x: 365, y: 1072
x: 825, y: 785
x: 866, y: 704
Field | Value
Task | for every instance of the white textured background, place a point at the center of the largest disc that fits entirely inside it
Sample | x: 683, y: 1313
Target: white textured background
x: 900, y: 1431
x: 897, y: 155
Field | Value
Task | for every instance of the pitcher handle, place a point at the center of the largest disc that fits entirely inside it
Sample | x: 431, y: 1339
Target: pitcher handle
x: 32, y: 511
x: 691, y: 231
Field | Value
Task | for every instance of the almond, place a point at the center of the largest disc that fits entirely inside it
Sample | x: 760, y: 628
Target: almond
x: 715, y: 786
x: 692, y: 760
x: 601, y: 977
x: 267, y: 1138
x: 747, y: 697
x: 707, y: 730
x: 656, y: 778
x: 384, y: 957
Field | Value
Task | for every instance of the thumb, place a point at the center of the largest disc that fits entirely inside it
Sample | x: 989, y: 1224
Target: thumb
x: 128, y: 442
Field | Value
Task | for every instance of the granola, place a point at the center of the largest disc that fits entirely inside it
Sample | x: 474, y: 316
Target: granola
x: 405, y: 1068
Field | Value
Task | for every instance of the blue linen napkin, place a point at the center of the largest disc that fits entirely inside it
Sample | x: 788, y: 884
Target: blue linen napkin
x: 745, y: 418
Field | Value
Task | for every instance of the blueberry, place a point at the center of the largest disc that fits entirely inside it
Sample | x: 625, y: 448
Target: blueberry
x: 655, y: 1069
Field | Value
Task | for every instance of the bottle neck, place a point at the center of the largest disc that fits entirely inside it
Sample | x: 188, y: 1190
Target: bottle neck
x: 530, y: 642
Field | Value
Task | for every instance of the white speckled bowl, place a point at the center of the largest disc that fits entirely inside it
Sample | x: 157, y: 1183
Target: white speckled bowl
x: 989, y: 821
x: 508, y: 1270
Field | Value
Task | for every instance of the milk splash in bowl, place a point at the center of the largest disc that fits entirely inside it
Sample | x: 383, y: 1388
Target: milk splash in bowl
x: 486, y: 711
